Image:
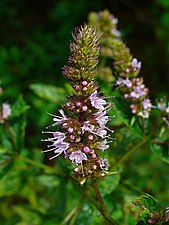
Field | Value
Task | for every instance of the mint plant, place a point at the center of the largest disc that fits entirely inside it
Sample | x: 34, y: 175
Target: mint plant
x: 83, y: 172
x: 83, y: 132
x: 83, y: 127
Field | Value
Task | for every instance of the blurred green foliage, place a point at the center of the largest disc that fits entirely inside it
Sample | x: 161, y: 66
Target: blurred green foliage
x: 34, y: 46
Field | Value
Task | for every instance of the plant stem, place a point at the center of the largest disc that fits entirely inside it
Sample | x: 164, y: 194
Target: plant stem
x: 68, y: 217
x: 104, y: 211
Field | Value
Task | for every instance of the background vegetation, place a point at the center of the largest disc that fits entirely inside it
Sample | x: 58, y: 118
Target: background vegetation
x: 34, y: 46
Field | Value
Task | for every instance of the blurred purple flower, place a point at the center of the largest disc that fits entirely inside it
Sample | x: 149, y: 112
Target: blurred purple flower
x: 6, y: 112
x: 136, y: 64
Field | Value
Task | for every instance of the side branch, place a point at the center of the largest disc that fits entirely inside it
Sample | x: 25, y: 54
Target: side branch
x: 104, y: 211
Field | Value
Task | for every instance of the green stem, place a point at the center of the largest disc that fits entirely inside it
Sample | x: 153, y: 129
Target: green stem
x: 129, y: 153
x: 69, y: 216
x: 104, y: 211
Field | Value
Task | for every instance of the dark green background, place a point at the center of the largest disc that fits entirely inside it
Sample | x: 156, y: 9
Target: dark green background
x: 35, y: 36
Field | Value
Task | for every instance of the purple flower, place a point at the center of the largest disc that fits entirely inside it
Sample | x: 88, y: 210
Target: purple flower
x: 124, y: 82
x: 120, y: 81
x: 115, y: 32
x: 146, y: 103
x: 136, y: 64
x: 78, y: 157
x: 93, y: 129
x: 87, y: 127
x: 59, y: 119
x: 101, y: 132
x: 58, y: 148
x: 6, y: 111
x: 162, y: 105
x: 56, y: 135
x: 133, y: 108
x: 103, y: 145
x: 101, y: 118
x: 128, y: 83
x: 97, y: 130
x: 137, y: 92
x: 97, y: 102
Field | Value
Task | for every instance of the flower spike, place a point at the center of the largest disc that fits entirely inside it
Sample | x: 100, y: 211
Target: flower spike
x: 82, y: 130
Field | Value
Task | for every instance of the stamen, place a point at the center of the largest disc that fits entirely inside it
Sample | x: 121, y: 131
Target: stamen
x: 48, y: 150
x: 54, y: 156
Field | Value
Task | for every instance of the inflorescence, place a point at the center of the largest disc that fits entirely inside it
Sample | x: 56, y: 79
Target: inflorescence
x: 125, y: 68
x: 82, y: 132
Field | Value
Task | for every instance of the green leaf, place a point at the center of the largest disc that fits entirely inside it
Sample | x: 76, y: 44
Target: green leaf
x: 148, y: 205
x: 121, y: 112
x: 5, y: 169
x: 18, y: 131
x: 27, y: 215
x: 49, y: 92
x: 14, y: 132
x: 5, y: 157
x: 162, y: 150
x: 146, y: 201
x: 109, y: 183
x: 19, y: 107
x: 160, y: 146
x: 164, y: 3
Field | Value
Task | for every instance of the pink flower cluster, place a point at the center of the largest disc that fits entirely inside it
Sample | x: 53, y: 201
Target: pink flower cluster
x: 80, y: 141
x: 5, y: 113
x: 163, y: 106
x: 125, y: 67
x: 83, y: 133
x: 135, y: 90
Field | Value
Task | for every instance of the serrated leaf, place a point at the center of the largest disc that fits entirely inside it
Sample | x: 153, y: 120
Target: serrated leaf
x: 146, y: 201
x: 148, y: 205
x: 49, y: 92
